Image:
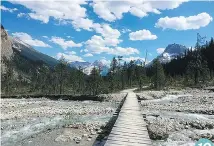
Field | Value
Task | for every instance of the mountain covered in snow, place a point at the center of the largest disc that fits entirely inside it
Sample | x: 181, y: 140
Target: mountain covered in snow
x: 171, y: 52
x: 87, y: 66
x: 139, y: 62
x: 102, y: 65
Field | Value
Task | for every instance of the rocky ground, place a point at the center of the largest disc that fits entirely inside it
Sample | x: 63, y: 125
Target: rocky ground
x: 178, y: 118
x: 44, y: 122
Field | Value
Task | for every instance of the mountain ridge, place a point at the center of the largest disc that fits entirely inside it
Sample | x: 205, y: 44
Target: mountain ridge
x: 171, y: 52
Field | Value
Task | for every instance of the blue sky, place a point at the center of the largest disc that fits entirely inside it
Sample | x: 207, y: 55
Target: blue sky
x: 99, y: 30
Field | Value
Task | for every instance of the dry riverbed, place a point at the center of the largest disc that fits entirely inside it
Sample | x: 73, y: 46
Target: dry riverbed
x: 45, y: 122
x: 178, y: 118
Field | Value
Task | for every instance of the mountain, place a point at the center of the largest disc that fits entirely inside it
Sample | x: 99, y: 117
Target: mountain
x: 87, y: 66
x: 11, y: 45
x: 139, y: 62
x: 77, y: 64
x: 171, y: 52
x: 6, y: 47
x: 6, y: 44
x: 30, y: 53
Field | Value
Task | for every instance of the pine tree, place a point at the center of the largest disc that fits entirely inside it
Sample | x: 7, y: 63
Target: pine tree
x: 124, y: 75
x: 130, y: 72
x: 205, y: 75
x: 114, y: 65
x: 112, y: 74
x: 61, y: 73
x: 8, y: 75
x: 95, y: 80
x: 140, y: 75
x: 159, y: 76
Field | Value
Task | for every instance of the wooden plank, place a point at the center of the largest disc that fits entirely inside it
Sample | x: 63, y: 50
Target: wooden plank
x: 137, y: 136
x: 129, y: 140
x: 121, y: 143
x: 130, y: 128
x: 141, y: 137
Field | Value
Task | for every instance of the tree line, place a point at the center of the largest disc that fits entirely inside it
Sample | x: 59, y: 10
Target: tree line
x: 195, y: 67
x: 22, y: 76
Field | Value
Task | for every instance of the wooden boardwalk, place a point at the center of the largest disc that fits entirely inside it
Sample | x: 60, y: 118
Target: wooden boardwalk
x: 130, y: 128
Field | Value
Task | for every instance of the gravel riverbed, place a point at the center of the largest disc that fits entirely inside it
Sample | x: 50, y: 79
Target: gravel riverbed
x: 178, y: 118
x: 45, y: 122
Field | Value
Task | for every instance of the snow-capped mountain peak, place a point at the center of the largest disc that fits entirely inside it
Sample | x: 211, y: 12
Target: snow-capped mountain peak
x: 171, y: 52
x: 87, y: 66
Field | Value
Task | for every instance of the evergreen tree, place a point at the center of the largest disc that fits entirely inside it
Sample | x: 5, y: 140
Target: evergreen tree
x: 130, y: 72
x: 112, y: 73
x: 140, y: 75
x: 8, y: 75
x: 61, y: 73
x: 159, y: 76
x: 95, y: 81
x: 114, y: 65
x: 124, y: 75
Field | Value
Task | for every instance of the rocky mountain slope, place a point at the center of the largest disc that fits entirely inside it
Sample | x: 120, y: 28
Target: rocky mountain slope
x: 171, y: 52
x: 10, y: 45
x: 87, y: 66
x: 30, y: 53
x: 6, y: 45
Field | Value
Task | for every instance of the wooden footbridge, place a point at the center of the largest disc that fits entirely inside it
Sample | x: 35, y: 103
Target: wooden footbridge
x: 130, y: 128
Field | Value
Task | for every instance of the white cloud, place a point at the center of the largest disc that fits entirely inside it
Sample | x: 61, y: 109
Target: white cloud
x: 123, y: 51
x: 21, y: 15
x: 11, y: 10
x: 113, y: 10
x: 125, y: 30
x: 142, y: 35
x: 98, y: 45
x: 41, y: 17
x: 44, y: 36
x: 108, y: 43
x: 110, y: 35
x: 85, y: 50
x: 184, y: 23
x: 29, y: 40
x: 160, y: 50
x: 103, y: 44
x: 71, y: 52
x: 83, y: 23
x: 63, y: 43
x: 66, y: 12
x: 88, y: 55
x: 70, y: 57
